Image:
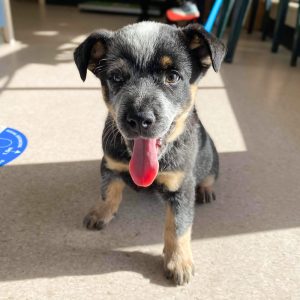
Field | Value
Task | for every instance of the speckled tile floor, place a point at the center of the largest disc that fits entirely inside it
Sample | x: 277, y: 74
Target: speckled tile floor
x: 246, y: 245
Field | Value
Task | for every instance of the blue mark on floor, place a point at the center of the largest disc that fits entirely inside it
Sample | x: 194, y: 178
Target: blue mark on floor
x: 12, y: 144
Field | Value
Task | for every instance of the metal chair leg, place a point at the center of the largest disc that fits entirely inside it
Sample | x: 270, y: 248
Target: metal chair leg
x: 224, y: 17
x: 296, y: 44
x: 254, y: 7
x: 266, y: 19
x: 280, y: 19
x: 237, y: 22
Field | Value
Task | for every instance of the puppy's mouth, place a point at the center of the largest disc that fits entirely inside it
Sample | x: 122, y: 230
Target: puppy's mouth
x: 144, y: 165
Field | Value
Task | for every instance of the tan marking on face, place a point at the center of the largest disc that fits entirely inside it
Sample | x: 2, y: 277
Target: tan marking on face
x: 115, y: 165
x: 97, y: 52
x: 178, y: 257
x: 172, y: 180
x: 196, y: 42
x: 104, y: 211
x: 111, y: 111
x: 208, y: 181
x: 105, y: 94
x: 206, y: 61
x: 181, y: 118
x: 166, y: 61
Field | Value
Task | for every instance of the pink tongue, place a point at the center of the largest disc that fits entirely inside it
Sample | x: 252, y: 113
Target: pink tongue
x: 143, y: 166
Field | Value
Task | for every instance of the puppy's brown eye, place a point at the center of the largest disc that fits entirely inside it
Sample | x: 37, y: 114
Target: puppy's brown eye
x: 172, y: 77
x: 117, y: 78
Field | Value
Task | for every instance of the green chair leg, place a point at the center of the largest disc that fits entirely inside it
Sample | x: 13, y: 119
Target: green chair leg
x: 266, y: 19
x: 296, y: 44
x: 237, y: 22
x: 224, y: 17
x: 253, y: 12
x: 280, y: 20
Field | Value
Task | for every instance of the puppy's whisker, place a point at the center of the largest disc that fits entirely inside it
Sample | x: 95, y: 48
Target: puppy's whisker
x: 108, y: 138
x: 106, y: 131
x: 115, y: 134
x: 170, y: 89
x: 99, y: 71
x: 115, y: 137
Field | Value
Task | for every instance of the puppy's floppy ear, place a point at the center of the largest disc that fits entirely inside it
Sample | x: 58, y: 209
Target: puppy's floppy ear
x: 89, y: 52
x: 205, y: 47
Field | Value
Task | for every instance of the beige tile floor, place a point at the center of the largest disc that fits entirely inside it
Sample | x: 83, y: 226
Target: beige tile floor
x: 246, y: 244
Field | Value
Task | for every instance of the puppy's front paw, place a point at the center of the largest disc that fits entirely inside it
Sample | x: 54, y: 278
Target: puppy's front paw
x: 205, y: 195
x: 98, y: 218
x: 204, y: 190
x: 179, y: 269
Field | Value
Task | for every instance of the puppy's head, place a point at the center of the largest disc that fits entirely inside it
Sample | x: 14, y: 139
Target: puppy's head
x: 146, y: 70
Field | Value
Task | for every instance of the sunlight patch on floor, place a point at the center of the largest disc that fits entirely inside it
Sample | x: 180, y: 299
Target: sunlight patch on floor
x: 46, y: 33
x: 216, y: 114
x: 9, y: 49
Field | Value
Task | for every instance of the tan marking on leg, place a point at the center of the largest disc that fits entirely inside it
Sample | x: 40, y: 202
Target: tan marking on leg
x: 178, y: 260
x: 208, y: 181
x: 115, y: 165
x: 166, y: 61
x: 181, y: 118
x: 104, y: 211
x: 171, y: 179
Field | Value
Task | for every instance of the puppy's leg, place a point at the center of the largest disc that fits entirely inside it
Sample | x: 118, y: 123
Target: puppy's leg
x: 178, y: 260
x: 103, y: 212
x: 204, y: 190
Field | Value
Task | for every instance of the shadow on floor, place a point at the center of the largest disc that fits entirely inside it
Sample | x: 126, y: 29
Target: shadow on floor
x: 43, y: 205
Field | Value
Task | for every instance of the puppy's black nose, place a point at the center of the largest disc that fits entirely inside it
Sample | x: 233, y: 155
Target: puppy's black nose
x: 140, y: 121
